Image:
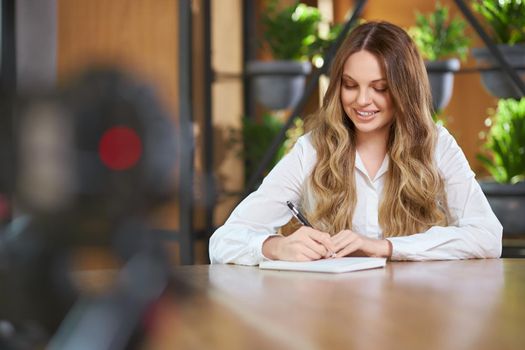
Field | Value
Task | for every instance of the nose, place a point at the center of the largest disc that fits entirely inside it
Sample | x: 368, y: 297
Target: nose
x: 363, y: 97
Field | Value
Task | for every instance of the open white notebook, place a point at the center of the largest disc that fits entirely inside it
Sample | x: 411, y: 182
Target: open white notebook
x: 325, y: 265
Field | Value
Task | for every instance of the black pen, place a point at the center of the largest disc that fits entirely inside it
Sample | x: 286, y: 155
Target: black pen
x: 298, y: 215
x: 302, y: 219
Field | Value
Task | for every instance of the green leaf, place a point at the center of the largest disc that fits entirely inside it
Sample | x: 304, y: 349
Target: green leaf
x: 505, y: 19
x: 255, y: 137
x: 438, y: 37
x: 505, y: 142
x: 292, y: 33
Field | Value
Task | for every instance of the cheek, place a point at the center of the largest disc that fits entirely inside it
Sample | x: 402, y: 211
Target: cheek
x: 384, y: 102
x: 346, y: 97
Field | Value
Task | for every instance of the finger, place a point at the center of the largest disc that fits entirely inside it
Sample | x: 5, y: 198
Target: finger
x: 297, y: 252
x: 312, y: 254
x: 315, y: 247
x: 323, y: 238
x: 341, y: 236
x: 349, y: 249
x: 303, y: 257
x: 338, y: 235
x: 341, y: 242
x: 327, y: 252
x: 320, y: 241
x: 302, y: 253
x: 344, y: 238
x: 300, y: 244
x: 344, y: 242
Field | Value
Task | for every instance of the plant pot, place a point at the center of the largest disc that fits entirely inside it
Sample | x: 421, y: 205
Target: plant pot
x: 508, y: 203
x: 278, y: 84
x: 496, y: 82
x: 441, y: 77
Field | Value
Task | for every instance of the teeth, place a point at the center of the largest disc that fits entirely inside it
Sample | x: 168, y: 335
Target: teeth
x: 365, y: 114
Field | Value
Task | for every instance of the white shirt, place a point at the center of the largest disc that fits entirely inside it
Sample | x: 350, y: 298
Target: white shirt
x: 474, y: 232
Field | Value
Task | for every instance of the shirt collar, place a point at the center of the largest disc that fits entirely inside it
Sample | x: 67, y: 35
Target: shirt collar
x: 361, y: 167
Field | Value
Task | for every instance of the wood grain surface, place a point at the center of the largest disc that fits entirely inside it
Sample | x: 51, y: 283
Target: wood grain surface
x: 473, y: 304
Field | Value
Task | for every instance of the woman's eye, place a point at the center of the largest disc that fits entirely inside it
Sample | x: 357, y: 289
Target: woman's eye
x: 349, y: 86
x: 380, y: 89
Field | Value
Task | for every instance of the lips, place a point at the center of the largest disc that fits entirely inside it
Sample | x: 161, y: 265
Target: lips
x: 365, y: 115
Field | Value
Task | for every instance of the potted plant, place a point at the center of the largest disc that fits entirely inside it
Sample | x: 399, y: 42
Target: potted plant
x: 504, y: 158
x: 254, y: 139
x: 256, y: 135
x: 291, y: 35
x: 505, y: 21
x: 440, y: 40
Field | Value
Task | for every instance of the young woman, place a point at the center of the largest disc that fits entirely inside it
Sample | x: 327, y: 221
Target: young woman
x: 374, y: 176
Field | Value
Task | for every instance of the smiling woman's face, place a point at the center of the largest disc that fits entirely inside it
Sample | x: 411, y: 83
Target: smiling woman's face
x: 365, y: 94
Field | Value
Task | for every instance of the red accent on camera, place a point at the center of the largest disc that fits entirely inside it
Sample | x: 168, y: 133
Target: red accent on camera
x: 120, y: 148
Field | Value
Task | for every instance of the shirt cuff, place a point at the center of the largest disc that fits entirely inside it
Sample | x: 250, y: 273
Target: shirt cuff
x: 400, y: 249
x: 256, y: 246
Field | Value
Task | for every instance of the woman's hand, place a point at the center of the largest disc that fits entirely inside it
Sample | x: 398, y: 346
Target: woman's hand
x: 305, y: 244
x: 348, y: 242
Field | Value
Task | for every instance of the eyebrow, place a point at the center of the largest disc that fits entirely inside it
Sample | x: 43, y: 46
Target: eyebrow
x: 346, y: 76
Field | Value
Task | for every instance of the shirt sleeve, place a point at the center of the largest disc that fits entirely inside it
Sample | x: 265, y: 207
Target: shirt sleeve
x: 263, y: 212
x: 474, y: 231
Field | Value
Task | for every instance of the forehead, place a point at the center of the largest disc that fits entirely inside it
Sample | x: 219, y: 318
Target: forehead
x: 363, y: 65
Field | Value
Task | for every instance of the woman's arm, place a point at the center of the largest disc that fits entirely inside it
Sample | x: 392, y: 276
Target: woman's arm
x: 263, y: 212
x: 474, y: 232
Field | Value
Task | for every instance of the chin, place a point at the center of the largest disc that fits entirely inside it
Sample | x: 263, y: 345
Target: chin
x: 369, y: 127
x: 366, y: 129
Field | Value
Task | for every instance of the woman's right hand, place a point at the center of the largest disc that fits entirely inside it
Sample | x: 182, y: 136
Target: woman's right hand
x: 305, y: 244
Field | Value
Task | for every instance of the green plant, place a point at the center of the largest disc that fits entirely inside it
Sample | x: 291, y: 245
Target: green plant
x: 438, y: 37
x: 506, y: 19
x: 323, y: 43
x: 255, y: 138
x: 292, y: 33
x: 505, y: 142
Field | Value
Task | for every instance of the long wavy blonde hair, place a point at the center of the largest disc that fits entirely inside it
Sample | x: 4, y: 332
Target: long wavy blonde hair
x: 414, y: 197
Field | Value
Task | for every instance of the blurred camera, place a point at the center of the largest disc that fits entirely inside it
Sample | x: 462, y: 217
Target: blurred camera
x: 89, y: 163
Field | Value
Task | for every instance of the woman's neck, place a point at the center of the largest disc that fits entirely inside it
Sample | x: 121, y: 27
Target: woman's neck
x: 372, y: 151
x: 374, y: 142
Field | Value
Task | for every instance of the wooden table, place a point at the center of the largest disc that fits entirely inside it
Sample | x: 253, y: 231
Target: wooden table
x: 474, y: 304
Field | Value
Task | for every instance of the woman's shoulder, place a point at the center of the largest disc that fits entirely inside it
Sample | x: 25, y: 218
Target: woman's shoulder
x: 447, y: 148
x: 445, y: 140
x: 306, y: 142
x: 442, y: 132
x: 305, y: 150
